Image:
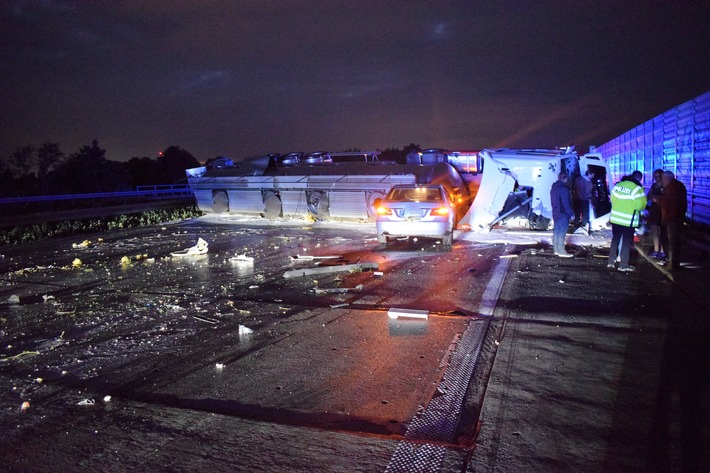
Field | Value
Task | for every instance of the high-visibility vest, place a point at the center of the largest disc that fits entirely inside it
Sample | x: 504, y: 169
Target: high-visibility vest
x: 627, y: 202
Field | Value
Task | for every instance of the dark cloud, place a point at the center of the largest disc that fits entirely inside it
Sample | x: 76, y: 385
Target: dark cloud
x: 246, y: 77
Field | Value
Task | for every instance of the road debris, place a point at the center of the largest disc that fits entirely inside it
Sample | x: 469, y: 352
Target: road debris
x: 298, y: 273
x: 311, y: 258
x: 83, y: 244
x: 339, y: 306
x: 25, y: 406
x: 86, y: 402
x: 76, y: 263
x: 413, y: 313
x: 244, y: 330
x: 199, y: 249
x: 339, y: 290
x: 242, y: 259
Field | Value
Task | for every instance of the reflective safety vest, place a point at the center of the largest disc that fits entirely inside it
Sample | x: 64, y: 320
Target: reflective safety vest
x: 627, y: 202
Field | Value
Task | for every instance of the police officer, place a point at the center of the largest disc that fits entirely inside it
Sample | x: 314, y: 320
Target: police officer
x: 627, y: 201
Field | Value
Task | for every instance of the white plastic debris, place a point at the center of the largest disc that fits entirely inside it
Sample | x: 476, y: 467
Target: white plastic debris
x: 244, y: 330
x: 242, y: 259
x: 413, y: 313
x: 310, y: 258
x: 199, y: 249
x: 219, y: 366
x: 13, y: 299
x: 25, y: 406
x: 107, y: 398
x: 86, y: 402
x: 378, y: 274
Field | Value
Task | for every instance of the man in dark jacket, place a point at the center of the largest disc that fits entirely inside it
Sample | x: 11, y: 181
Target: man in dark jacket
x: 582, y: 196
x: 674, y: 205
x: 562, y: 213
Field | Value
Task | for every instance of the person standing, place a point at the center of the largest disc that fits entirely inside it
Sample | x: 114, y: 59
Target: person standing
x: 582, y: 196
x: 654, y: 215
x: 627, y: 202
x: 562, y: 213
x: 674, y: 205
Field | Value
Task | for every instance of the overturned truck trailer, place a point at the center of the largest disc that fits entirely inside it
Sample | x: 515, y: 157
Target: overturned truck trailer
x: 323, y: 185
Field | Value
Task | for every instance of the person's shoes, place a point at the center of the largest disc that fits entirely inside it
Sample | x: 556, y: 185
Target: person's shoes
x: 610, y: 265
x: 626, y: 269
x: 653, y: 254
x: 663, y: 262
x: 564, y: 255
x: 660, y: 255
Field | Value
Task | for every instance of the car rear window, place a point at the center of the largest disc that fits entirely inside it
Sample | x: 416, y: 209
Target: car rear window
x: 417, y: 194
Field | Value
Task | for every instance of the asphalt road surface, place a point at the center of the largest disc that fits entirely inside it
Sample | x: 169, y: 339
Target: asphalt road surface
x: 116, y: 356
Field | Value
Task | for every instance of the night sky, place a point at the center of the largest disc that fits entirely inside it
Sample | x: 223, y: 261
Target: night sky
x: 242, y: 78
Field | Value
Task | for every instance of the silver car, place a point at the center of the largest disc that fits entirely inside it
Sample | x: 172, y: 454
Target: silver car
x: 416, y: 210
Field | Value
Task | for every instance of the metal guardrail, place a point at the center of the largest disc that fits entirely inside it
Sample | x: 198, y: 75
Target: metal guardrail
x: 156, y: 191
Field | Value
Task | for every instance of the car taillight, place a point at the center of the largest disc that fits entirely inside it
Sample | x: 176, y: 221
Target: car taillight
x: 443, y: 211
x: 384, y: 211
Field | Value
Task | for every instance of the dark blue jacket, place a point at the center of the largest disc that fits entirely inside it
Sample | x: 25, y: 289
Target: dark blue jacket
x: 561, y: 201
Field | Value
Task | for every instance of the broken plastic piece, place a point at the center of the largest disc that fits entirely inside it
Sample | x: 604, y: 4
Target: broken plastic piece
x: 242, y: 259
x: 199, y: 249
x: 414, y: 313
x: 76, y: 263
x: 378, y: 274
x: 219, y: 366
x: 244, y: 330
x: 25, y: 405
x: 86, y: 402
x: 310, y: 258
x: 107, y: 398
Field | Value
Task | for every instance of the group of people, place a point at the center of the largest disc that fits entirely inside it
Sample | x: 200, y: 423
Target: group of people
x: 666, y: 201
x: 667, y: 205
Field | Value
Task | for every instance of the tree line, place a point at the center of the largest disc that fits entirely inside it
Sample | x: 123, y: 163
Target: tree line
x: 46, y: 170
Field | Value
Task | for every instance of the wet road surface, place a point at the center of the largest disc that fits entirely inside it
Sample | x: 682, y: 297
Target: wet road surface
x: 224, y: 363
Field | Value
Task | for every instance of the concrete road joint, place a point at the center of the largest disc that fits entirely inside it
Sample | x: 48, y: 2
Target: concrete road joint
x: 423, y: 447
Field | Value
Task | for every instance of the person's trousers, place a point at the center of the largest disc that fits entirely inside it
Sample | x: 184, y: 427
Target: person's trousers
x: 674, y: 231
x: 625, y: 235
x: 559, y: 231
x: 581, y: 212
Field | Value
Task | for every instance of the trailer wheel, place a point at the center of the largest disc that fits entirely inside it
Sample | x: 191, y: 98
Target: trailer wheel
x: 373, y: 200
x: 220, y: 202
x: 317, y: 203
x: 272, y: 206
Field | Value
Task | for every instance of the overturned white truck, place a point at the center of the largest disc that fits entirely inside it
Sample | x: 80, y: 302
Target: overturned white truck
x: 515, y: 185
x: 319, y: 185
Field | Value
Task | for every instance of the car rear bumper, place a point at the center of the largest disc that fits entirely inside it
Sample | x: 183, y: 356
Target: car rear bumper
x: 422, y: 229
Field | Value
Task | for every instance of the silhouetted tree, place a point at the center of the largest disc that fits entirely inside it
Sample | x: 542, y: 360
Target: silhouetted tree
x: 172, y: 164
x: 144, y: 171
x: 49, y: 156
x: 88, y: 170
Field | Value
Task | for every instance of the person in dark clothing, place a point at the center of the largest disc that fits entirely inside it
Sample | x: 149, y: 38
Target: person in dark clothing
x: 562, y: 213
x: 582, y: 196
x: 654, y: 216
x: 674, y: 205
